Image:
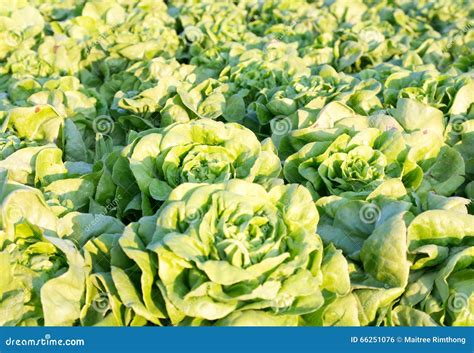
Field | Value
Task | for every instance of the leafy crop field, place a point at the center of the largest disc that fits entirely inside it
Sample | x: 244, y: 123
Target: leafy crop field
x: 254, y: 162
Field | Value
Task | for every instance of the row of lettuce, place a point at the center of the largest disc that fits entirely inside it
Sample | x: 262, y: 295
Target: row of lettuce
x: 219, y: 236
x: 260, y: 163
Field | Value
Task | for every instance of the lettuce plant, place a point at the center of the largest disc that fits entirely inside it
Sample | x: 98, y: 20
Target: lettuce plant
x: 41, y: 269
x: 270, y: 162
x: 355, y: 155
x: 234, y: 253
x: 202, y: 151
